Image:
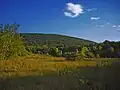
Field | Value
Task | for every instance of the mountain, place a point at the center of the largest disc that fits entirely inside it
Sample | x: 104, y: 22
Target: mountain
x: 53, y: 40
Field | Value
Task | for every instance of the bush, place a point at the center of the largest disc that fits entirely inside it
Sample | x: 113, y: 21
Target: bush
x: 72, y: 56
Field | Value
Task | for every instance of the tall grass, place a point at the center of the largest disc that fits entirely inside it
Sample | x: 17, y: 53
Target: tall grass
x: 37, y: 72
x: 38, y: 65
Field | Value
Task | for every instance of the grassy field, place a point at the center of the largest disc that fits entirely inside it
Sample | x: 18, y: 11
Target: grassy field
x: 49, y: 73
x: 38, y: 65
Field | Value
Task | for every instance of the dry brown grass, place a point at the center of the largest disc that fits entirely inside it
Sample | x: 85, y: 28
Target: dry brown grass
x: 70, y: 75
x: 38, y: 65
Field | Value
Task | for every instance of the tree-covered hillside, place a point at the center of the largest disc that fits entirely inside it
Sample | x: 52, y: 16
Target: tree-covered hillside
x: 53, y: 40
x: 70, y: 47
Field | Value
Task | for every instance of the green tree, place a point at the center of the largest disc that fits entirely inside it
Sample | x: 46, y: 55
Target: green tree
x: 84, y: 52
x: 11, y: 43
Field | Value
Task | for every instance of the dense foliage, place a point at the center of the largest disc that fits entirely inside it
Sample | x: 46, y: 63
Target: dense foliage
x: 11, y: 43
x: 71, y: 48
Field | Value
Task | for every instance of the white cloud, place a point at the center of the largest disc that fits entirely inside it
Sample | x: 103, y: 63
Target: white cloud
x: 92, y: 9
x: 68, y: 14
x: 73, y: 10
x: 95, y: 18
x: 114, y: 26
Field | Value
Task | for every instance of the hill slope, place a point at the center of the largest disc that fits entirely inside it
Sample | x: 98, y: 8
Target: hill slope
x: 53, y: 40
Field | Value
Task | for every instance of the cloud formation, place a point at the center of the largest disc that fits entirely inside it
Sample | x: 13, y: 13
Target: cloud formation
x: 114, y: 26
x: 73, y: 10
x: 95, y: 18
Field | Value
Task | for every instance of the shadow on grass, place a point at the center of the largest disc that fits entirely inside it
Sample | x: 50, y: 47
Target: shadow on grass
x: 80, y: 79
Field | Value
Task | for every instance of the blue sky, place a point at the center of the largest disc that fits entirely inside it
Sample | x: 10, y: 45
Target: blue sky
x: 95, y: 20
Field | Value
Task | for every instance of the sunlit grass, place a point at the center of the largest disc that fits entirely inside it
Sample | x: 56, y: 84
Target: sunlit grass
x: 39, y: 65
x: 50, y: 73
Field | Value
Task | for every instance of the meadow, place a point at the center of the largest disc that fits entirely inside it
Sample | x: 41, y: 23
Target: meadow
x: 41, y: 72
x: 38, y: 64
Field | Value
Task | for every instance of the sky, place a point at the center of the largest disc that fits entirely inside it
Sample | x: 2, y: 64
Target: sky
x: 95, y: 20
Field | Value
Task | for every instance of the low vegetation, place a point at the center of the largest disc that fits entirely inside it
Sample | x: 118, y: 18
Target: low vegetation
x: 36, y: 64
x: 50, y: 73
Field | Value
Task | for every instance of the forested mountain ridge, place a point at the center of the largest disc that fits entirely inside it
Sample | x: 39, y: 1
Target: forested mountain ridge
x: 53, y: 40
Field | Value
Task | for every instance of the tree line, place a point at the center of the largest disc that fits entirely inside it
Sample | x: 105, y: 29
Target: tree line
x: 106, y: 49
x: 12, y: 44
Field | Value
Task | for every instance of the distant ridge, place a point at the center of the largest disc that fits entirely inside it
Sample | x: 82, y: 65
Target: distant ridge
x: 53, y: 39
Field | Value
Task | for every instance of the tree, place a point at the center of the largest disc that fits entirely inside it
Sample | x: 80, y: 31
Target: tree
x: 11, y: 43
x: 54, y: 51
x: 84, y: 52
